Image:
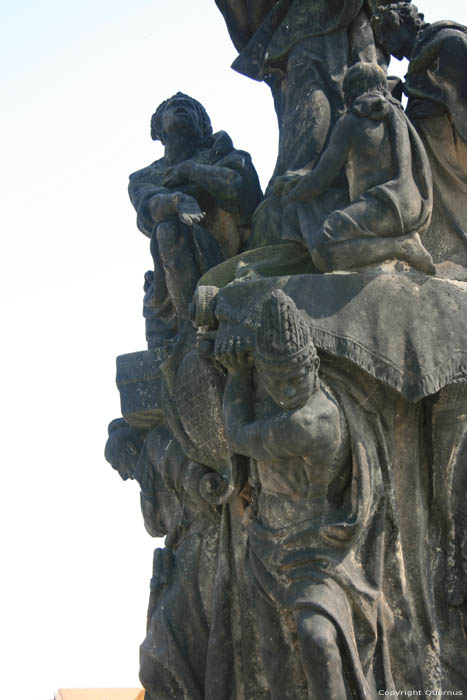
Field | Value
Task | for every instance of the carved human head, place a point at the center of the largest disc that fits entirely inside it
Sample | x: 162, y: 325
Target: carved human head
x: 396, y: 27
x: 123, y: 447
x: 362, y: 78
x: 180, y: 113
x: 286, y: 358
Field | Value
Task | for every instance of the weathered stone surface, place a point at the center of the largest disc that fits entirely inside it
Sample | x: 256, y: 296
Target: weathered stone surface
x: 298, y: 423
x: 437, y: 106
x: 139, y: 381
x: 352, y: 316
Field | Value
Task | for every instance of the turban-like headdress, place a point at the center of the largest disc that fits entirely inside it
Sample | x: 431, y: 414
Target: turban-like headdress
x: 283, y: 336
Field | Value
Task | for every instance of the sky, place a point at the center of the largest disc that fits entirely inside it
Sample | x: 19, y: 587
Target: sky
x: 79, y: 85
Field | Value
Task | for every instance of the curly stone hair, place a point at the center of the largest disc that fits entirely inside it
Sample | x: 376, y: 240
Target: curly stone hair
x: 362, y: 78
x: 205, y: 128
x: 283, y: 336
x: 389, y: 18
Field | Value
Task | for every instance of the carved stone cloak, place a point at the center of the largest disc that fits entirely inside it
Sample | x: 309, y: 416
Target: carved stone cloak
x: 288, y: 22
x: 333, y: 563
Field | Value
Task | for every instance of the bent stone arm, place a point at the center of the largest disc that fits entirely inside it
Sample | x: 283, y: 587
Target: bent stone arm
x: 329, y: 165
x: 219, y: 181
x: 270, y: 439
x: 430, y: 51
x: 241, y: 430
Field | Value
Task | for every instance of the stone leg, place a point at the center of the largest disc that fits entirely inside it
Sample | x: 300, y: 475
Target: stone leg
x: 279, y: 651
x: 360, y: 235
x: 173, y: 251
x: 320, y: 655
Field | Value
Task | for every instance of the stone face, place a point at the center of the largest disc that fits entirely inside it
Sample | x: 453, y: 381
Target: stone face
x: 298, y: 422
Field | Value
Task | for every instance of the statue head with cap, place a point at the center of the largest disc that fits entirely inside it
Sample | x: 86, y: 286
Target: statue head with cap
x: 286, y: 358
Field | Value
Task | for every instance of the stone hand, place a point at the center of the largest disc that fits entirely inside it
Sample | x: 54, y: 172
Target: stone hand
x: 187, y: 209
x: 283, y: 184
x: 296, y: 191
x: 177, y: 174
x: 235, y: 355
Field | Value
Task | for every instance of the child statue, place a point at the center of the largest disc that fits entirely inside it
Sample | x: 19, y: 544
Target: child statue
x: 389, y: 182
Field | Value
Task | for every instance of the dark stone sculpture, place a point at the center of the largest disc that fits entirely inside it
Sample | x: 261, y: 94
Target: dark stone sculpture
x: 200, y: 178
x: 298, y: 421
x: 436, y: 85
x: 308, y: 527
x: 173, y: 655
x: 302, y: 49
x: 390, y: 205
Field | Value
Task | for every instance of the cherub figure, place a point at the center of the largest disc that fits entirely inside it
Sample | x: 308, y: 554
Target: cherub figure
x: 201, y: 179
x: 302, y: 532
x: 389, y: 182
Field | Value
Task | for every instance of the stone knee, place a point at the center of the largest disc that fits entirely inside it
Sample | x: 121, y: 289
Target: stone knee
x: 322, y: 257
x: 340, y: 242
x: 317, y: 638
x: 173, y: 243
x: 325, y: 250
x: 168, y: 238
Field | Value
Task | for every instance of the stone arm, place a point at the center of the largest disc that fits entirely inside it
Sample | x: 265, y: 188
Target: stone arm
x: 312, y: 183
x: 155, y: 203
x: 282, y: 436
x: 448, y: 45
x: 232, y: 182
x: 242, y: 431
x: 265, y: 440
x: 220, y: 182
x: 164, y: 206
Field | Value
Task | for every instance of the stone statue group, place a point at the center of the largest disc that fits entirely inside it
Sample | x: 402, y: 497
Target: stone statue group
x: 298, y: 421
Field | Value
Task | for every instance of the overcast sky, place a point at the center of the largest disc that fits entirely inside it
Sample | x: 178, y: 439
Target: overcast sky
x: 80, y: 82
